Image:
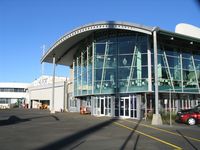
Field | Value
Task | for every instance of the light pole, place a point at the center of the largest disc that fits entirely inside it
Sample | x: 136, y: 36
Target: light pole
x: 170, y: 107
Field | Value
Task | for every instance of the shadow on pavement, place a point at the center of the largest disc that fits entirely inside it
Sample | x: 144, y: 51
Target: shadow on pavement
x: 15, y: 120
x: 129, y: 137
x: 186, y: 139
x: 68, y: 140
x: 56, y: 118
x: 12, y: 120
x: 136, y: 142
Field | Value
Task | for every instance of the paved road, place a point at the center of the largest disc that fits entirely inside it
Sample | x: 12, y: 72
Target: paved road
x: 24, y: 129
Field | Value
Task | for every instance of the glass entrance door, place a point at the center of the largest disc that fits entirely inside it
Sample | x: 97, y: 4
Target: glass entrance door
x: 133, y: 107
x: 102, y: 106
x: 128, y: 107
x: 107, y: 106
x: 124, y: 107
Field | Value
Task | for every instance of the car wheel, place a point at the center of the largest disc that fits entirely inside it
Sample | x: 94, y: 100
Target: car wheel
x: 191, y: 121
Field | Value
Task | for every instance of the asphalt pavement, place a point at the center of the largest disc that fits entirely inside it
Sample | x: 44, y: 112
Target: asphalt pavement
x: 31, y: 129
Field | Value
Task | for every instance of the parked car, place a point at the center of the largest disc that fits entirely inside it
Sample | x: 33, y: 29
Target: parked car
x: 189, y: 116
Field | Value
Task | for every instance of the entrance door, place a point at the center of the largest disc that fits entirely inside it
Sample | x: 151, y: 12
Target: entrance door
x: 133, y: 107
x: 124, y: 107
x: 107, y: 106
x: 102, y: 106
x: 128, y: 107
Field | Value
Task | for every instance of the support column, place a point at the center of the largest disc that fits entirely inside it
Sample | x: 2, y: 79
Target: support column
x: 149, y: 66
x: 145, y: 96
x: 65, y: 96
x: 156, y: 120
x: 53, y: 86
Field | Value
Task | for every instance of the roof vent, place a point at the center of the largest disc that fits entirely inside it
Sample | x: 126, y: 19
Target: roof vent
x: 188, y: 30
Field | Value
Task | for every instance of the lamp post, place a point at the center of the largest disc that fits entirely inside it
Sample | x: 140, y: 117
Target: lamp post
x: 170, y: 107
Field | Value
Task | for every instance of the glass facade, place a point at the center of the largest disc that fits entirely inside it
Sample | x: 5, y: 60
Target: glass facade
x: 178, y: 68
x: 116, y: 61
x: 110, y: 62
x: 114, y: 71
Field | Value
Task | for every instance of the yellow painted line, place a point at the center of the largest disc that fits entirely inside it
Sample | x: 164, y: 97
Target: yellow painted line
x: 147, y: 135
x: 152, y: 127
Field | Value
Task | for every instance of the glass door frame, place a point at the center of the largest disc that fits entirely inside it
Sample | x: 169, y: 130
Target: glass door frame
x: 102, y: 103
x: 103, y: 106
x: 122, y: 101
x: 132, y: 107
x: 108, y: 106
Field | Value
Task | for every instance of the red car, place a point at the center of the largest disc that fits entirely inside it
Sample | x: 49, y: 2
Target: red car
x: 189, y: 116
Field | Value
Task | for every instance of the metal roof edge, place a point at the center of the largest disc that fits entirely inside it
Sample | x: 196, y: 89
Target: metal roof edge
x: 139, y: 26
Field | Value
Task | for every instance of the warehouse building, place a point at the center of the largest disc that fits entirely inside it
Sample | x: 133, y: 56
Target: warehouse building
x: 40, y: 93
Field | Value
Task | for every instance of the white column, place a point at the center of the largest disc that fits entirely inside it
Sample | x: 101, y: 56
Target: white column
x: 156, y: 120
x: 155, y: 70
x: 186, y: 105
x: 145, y: 96
x: 182, y: 104
x: 93, y: 47
x: 149, y: 66
x: 53, y: 86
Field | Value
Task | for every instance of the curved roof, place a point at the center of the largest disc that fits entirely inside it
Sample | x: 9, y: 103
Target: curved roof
x: 63, y: 51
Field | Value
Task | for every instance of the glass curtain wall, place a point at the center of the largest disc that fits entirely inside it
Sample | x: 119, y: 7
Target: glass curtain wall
x: 105, y: 63
x: 82, y: 65
x: 178, y: 69
x: 114, y: 61
x: 132, y: 63
x: 120, y: 63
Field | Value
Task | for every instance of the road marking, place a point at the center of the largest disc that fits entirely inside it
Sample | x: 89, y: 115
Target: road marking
x: 147, y: 135
x: 149, y: 126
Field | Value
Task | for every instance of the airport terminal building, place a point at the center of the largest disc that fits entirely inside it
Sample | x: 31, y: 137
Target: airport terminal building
x: 126, y: 70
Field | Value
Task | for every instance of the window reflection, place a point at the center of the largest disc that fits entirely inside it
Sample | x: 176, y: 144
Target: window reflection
x: 177, y: 69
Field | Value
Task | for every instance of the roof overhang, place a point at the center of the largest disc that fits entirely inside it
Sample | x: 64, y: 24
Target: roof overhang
x: 65, y: 47
x: 179, y: 36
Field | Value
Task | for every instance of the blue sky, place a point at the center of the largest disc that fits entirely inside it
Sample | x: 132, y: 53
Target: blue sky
x: 25, y: 25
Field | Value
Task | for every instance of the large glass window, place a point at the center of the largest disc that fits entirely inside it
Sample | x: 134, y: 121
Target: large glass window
x: 178, y: 69
x: 114, y: 61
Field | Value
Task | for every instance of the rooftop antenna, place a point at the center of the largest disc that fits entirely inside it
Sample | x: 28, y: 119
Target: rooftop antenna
x: 43, y: 52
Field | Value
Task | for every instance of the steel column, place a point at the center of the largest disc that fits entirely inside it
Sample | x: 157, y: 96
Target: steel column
x: 155, y: 70
x: 156, y: 120
x: 53, y: 85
